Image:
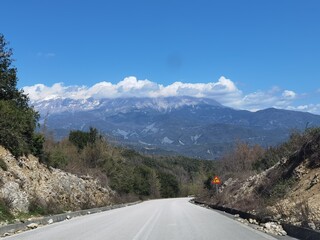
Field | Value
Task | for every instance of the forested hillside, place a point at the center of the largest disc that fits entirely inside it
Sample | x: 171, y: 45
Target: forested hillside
x: 128, y: 172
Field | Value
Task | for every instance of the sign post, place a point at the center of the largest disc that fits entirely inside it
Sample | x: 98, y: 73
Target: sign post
x: 216, y: 181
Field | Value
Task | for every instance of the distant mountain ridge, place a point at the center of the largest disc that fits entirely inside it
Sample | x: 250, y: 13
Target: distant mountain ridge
x: 161, y: 104
x: 196, y: 127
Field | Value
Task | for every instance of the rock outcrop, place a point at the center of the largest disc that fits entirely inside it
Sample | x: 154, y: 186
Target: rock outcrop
x: 25, y: 182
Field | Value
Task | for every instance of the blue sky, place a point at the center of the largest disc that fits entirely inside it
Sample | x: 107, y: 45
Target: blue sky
x: 268, y: 49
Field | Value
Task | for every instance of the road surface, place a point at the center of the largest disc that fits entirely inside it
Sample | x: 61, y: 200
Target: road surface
x: 165, y: 219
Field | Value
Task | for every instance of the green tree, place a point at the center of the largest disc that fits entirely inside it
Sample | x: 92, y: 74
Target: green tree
x: 81, y: 139
x: 169, y: 185
x: 18, y: 121
x: 154, y: 184
x: 207, y: 183
x: 93, y: 135
x: 58, y: 159
x: 8, y: 77
x: 141, y: 181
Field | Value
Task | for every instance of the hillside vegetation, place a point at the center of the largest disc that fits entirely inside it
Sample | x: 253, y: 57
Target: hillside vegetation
x: 131, y: 174
x: 281, y: 181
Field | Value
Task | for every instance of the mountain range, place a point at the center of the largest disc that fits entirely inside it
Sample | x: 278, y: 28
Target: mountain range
x: 194, y: 127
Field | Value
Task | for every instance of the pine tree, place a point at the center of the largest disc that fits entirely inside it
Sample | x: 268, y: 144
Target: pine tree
x: 8, y: 77
x: 17, y: 120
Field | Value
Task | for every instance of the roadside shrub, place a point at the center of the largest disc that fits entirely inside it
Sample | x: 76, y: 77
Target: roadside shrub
x: 270, y: 158
x: 40, y: 207
x: 5, y: 214
x: 281, y: 188
x: 305, y: 212
x: 275, y: 188
x: 36, y: 207
x: 58, y: 159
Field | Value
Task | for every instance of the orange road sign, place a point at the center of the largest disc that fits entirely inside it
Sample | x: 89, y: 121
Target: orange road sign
x: 216, y: 180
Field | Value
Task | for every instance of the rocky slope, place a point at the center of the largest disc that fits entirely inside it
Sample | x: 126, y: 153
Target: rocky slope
x: 26, y: 183
x: 289, y: 191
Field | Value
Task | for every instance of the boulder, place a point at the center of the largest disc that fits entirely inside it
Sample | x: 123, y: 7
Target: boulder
x: 32, y: 225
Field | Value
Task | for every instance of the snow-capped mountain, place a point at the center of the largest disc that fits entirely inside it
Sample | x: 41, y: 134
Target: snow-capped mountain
x: 161, y: 104
x: 196, y: 127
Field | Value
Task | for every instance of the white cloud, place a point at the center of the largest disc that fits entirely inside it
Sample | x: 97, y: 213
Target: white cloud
x: 224, y: 91
x: 289, y: 94
x: 41, y: 91
x: 312, y: 108
x: 258, y: 100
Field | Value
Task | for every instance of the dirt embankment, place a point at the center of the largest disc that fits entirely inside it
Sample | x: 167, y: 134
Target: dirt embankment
x: 288, y: 191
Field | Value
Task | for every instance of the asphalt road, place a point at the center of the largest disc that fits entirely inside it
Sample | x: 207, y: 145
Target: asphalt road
x: 166, y: 219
